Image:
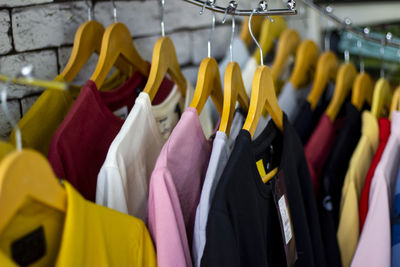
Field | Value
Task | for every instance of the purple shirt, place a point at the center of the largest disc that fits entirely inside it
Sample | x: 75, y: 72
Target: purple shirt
x: 175, y: 188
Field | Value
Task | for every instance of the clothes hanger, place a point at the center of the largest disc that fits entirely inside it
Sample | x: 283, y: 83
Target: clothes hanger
x: 256, y: 26
x: 287, y: 45
x: 344, y: 83
x: 363, y: 86
x: 164, y: 61
x: 271, y: 29
x: 26, y: 174
x: 234, y: 90
x: 382, y: 98
x: 208, y: 80
x: 86, y: 42
x: 395, y: 106
x: 117, y: 42
x: 327, y: 67
x: 262, y: 95
x: 306, y: 60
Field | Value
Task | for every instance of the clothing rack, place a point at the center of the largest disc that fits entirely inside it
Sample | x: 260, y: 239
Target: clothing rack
x: 245, y: 12
x: 327, y: 12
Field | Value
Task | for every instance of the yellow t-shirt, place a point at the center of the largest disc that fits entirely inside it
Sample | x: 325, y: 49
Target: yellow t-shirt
x: 86, y: 235
x: 42, y: 120
x: 348, y: 230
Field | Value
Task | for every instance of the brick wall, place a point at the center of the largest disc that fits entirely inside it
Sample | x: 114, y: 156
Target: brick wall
x: 41, y: 33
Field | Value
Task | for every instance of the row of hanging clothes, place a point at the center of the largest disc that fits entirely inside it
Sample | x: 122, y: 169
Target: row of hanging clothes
x: 140, y: 168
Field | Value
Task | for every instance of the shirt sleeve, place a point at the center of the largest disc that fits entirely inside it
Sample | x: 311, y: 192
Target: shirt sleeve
x: 166, y: 223
x: 221, y: 247
x: 348, y: 233
x: 374, y: 246
x: 110, y: 189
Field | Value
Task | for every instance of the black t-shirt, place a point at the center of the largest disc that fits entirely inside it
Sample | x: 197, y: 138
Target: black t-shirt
x: 334, y: 172
x: 307, y: 119
x: 243, y: 227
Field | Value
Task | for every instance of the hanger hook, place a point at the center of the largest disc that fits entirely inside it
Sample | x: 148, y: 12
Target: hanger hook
x: 347, y: 22
x: 26, y: 71
x: 231, y: 9
x: 232, y: 36
x: 114, y: 11
x: 162, y: 18
x: 327, y: 37
x: 262, y: 6
x: 90, y: 9
x: 362, y: 66
x: 212, y: 4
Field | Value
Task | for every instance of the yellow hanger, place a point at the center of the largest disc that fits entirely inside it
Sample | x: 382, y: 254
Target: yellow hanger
x: 269, y: 32
x: 306, y: 59
x: 234, y: 90
x: 362, y: 90
x: 87, y: 41
x: 263, y: 95
x: 382, y: 98
x: 208, y: 84
x: 256, y: 26
x: 287, y: 45
x: 164, y: 60
x: 27, y: 174
x: 395, y: 101
x: 116, y: 42
x: 344, y: 83
x: 327, y: 67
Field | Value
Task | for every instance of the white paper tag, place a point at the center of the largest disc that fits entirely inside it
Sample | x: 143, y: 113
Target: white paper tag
x: 285, y: 219
x: 121, y: 112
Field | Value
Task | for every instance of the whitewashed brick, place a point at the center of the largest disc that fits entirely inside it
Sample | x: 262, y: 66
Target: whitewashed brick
x: 219, y: 44
x: 190, y: 74
x: 27, y: 103
x: 87, y: 70
x: 46, y: 25
x: 5, y: 126
x: 181, y: 42
x: 5, y: 40
x: 15, y: 3
x: 141, y: 17
x: 44, y: 67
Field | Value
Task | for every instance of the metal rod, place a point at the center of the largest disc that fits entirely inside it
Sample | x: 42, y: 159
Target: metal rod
x: 357, y: 31
x: 244, y: 12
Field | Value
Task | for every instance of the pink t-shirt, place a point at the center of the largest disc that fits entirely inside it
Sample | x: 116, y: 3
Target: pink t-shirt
x: 374, y: 246
x: 175, y: 188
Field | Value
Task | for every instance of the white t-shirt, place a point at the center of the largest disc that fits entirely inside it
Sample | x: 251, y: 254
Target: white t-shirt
x: 221, y: 150
x: 288, y: 100
x: 123, y: 180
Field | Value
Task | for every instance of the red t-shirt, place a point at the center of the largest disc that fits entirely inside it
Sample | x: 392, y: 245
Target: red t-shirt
x: 384, y: 133
x: 80, y: 144
x: 319, y: 146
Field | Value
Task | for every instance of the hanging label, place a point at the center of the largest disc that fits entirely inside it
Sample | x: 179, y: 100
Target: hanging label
x: 121, y: 113
x: 285, y: 219
x: 30, y: 248
x: 283, y: 208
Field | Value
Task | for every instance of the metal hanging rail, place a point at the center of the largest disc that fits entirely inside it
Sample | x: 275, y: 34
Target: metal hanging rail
x: 246, y: 12
x: 327, y: 12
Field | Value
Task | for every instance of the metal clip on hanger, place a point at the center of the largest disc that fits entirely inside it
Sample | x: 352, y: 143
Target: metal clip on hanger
x: 396, y: 95
x: 363, y: 85
x: 382, y: 98
x: 234, y: 90
x: 25, y: 174
x: 263, y: 91
x: 208, y: 80
x: 164, y: 61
